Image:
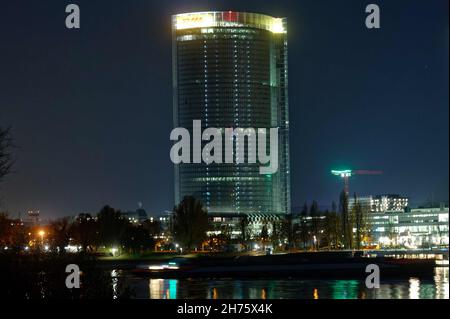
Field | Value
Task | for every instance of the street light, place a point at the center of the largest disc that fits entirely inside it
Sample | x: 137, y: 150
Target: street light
x: 42, y: 234
x: 114, y: 251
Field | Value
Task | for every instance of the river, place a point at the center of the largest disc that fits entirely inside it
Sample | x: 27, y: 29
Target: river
x: 291, y: 288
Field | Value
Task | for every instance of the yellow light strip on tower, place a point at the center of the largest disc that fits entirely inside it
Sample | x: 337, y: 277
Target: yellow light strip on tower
x: 197, y: 20
x: 228, y: 19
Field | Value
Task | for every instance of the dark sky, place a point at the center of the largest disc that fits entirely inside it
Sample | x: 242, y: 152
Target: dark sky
x: 91, y: 109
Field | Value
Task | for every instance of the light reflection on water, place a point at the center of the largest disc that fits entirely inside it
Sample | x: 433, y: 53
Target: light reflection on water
x: 115, y: 280
x: 412, y: 288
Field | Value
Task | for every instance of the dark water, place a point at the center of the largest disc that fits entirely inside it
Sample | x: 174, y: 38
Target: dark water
x: 412, y: 288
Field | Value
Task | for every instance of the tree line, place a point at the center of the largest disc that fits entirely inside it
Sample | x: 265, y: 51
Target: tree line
x: 338, y: 228
x: 310, y: 229
x: 109, y: 228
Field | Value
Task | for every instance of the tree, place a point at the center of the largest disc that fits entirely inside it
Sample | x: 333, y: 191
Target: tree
x: 153, y: 227
x: 85, y: 231
x: 136, y: 238
x: 333, y: 230
x: 224, y: 237
x: 303, y: 227
x: 6, y: 158
x: 347, y: 227
x: 357, y: 212
x: 287, y: 230
x: 244, y: 222
x: 315, y: 223
x: 13, y: 233
x: 5, y: 225
x: 6, y: 230
x: 391, y: 233
x: 277, y: 233
x: 333, y: 207
x: 60, y: 233
x: 220, y: 237
x: 264, y: 235
x: 111, y: 226
x: 190, y: 222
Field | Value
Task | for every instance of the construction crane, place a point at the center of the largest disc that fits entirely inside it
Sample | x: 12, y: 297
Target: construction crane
x: 347, y: 173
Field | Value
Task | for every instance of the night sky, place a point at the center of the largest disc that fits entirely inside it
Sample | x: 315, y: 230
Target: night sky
x: 91, y: 109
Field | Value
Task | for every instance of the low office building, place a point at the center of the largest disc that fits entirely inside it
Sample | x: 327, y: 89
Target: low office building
x: 414, y: 228
x: 389, y: 202
x: 381, y: 203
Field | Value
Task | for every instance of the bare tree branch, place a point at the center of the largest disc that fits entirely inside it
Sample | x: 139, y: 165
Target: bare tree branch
x: 6, y: 155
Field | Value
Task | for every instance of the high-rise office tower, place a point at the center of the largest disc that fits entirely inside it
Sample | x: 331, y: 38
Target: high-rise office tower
x: 229, y: 71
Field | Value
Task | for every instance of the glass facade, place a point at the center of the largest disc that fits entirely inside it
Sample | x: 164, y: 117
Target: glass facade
x: 229, y: 71
x: 381, y: 203
x: 418, y: 228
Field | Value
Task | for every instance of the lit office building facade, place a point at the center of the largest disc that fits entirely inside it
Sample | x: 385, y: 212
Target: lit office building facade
x: 389, y: 202
x: 381, y: 203
x: 415, y: 228
x: 229, y: 71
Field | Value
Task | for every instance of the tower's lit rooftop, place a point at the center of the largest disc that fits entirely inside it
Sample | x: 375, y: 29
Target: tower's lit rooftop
x: 228, y: 19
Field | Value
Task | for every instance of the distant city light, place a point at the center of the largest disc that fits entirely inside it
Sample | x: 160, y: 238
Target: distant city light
x: 71, y: 249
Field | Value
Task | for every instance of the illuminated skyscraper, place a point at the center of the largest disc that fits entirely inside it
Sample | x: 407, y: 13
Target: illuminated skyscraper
x: 230, y: 70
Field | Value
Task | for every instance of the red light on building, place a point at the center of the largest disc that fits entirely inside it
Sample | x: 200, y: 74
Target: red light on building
x: 230, y: 16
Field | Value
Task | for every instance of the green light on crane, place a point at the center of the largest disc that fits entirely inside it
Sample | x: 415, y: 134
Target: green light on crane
x: 342, y: 173
x: 345, y: 174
